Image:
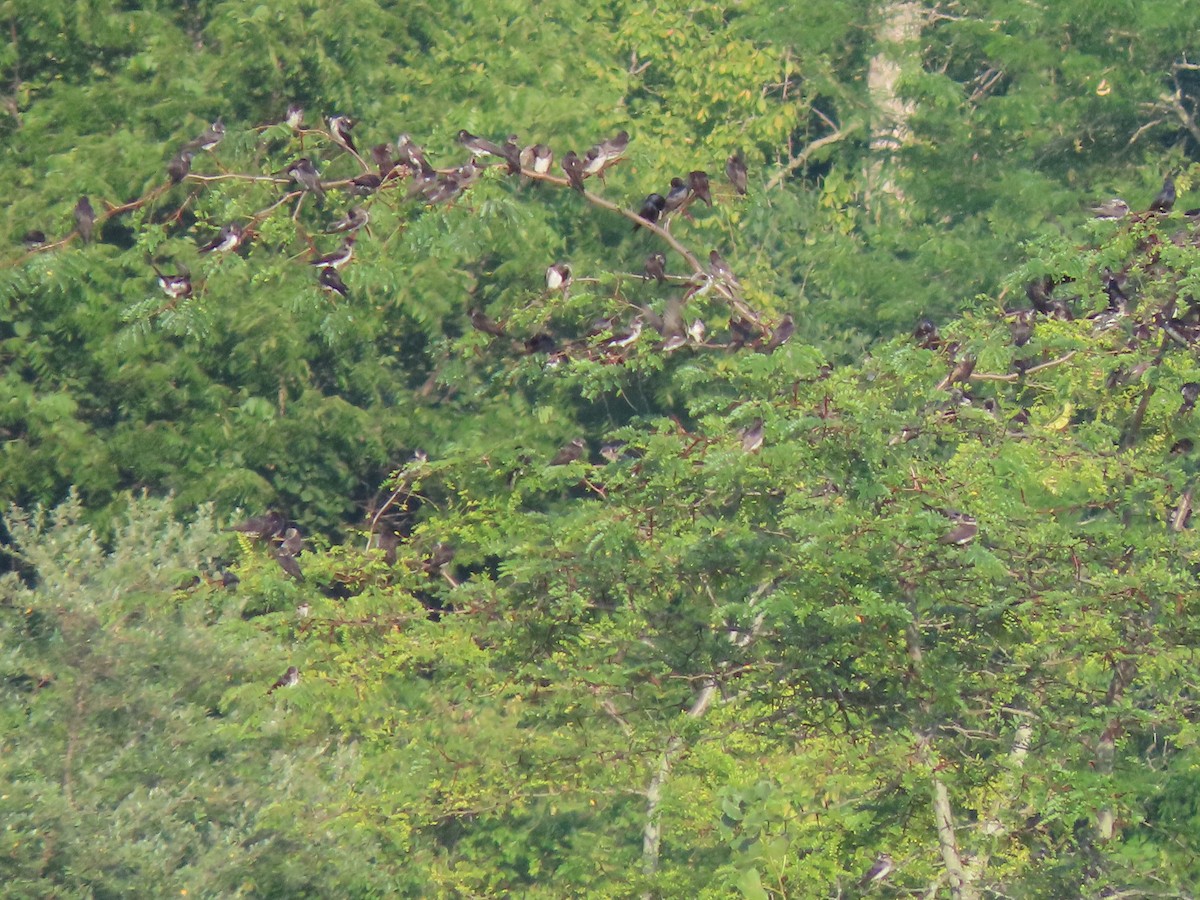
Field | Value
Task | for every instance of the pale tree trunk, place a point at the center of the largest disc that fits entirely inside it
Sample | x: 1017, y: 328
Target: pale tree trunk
x: 897, y: 38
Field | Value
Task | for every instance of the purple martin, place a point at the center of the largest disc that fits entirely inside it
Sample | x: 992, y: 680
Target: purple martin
x: 964, y: 531
x: 628, y: 336
x: 338, y: 257
x: 573, y: 166
x: 355, y: 218
x: 289, y: 547
x: 697, y: 331
x: 339, y: 129
x: 677, y: 195
x: 783, y: 331
x: 480, y: 146
x: 85, y: 219
x: 213, y: 135
x: 34, y: 238
x: 366, y: 184
x: 569, y: 453
x: 1191, y: 393
x: 331, y: 281
x: 652, y: 208
x: 290, y: 678
x: 1115, y: 208
x: 752, y: 437
x: 720, y: 269
x: 481, y: 321
x: 735, y: 171
x: 1165, y: 200
x: 558, y: 277
x: 656, y: 268
x: 410, y: 154
x: 174, y: 286
x: 262, y: 527
x: 926, y: 335
x: 384, y: 161
x: 294, y: 119
x: 228, y: 238
x: 541, y: 158
x: 605, y: 154
x: 305, y: 174
x: 880, y: 869
x: 698, y: 182
x: 180, y: 165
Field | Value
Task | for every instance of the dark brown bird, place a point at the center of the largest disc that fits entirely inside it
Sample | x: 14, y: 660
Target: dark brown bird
x: 735, y: 171
x: 290, y: 545
x: 752, y: 437
x: 698, y: 182
x: 783, y: 331
x: 180, y: 165
x: 652, y: 208
x: 290, y: 678
x: 331, y: 281
x: 1191, y: 393
x: 339, y: 129
x: 481, y: 321
x: 85, y: 219
x: 384, y: 159
x: 573, y: 166
x: 963, y: 532
x: 720, y: 269
x: 262, y: 527
x: 569, y: 453
x: 656, y: 268
x: 926, y: 334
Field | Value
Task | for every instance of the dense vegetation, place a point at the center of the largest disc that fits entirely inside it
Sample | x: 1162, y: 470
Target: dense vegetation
x: 859, y: 542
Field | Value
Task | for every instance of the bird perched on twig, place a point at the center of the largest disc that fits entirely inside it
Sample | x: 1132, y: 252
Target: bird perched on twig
x: 290, y: 678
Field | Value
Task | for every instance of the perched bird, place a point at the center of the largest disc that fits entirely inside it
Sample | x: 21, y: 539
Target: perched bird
x: 305, y: 174
x: 85, y: 219
x: 1021, y: 327
x: 331, y: 281
x: 366, y: 184
x: 697, y: 330
x: 783, y: 331
x: 652, y: 208
x: 382, y: 155
x: 510, y: 150
x: 228, y: 238
x: 294, y: 119
x: 741, y: 332
x: 338, y: 257
x: 1115, y: 208
x: 964, y: 531
x: 752, y: 437
x: 479, y: 146
x: 1165, y: 201
x: 213, y: 135
x: 573, y: 166
x: 1191, y: 393
x: 926, y: 334
x: 735, y: 171
x: 720, y: 269
x: 880, y: 869
x: 339, y: 129
x: 678, y: 194
x: 698, y: 182
x: 174, y: 286
x: 541, y: 342
x: 290, y: 678
x: 569, y: 453
x: 481, y: 321
x: 268, y: 525
x: 614, y: 451
x: 628, y: 336
x: 180, y: 165
x: 410, y: 154
x: 960, y: 372
x: 304, y: 610
x: 34, y: 238
x: 674, y: 341
x: 558, y: 277
x: 443, y: 190
x: 355, y: 218
x: 289, y: 547
x: 656, y: 268
x: 541, y: 158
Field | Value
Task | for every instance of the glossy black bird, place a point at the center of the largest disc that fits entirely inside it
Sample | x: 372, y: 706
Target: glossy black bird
x: 698, y: 182
x: 305, y: 174
x: 656, y: 268
x: 573, y: 166
x: 880, y: 869
x: 481, y: 321
x: 85, y: 219
x: 558, y: 277
x: 569, y: 453
x: 294, y: 119
x: 290, y: 678
x: 1115, y: 208
x: 174, y: 286
x: 720, y: 269
x: 228, y: 238
x: 1191, y: 393
x: 331, y: 281
x: 338, y: 257
x: 752, y: 437
x: 963, y: 532
x: 783, y: 331
x: 263, y: 527
x: 735, y: 171
x: 180, y: 165
x: 355, y: 218
x: 1165, y: 201
x: 652, y: 208
x: 339, y: 129
x: 677, y: 195
x: 213, y: 135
